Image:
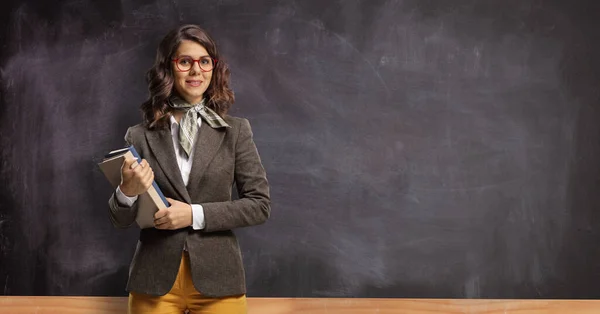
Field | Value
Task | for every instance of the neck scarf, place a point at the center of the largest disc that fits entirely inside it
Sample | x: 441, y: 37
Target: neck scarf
x: 188, y: 126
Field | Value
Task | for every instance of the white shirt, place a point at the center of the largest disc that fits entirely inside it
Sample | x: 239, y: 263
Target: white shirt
x: 185, y: 166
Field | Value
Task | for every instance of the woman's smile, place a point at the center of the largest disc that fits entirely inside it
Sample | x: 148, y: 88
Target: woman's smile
x: 193, y: 83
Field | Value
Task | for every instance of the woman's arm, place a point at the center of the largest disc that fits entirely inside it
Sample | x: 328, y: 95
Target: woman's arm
x: 123, y: 214
x: 254, y: 204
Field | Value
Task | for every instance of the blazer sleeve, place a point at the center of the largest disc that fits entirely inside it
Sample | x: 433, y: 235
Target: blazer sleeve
x: 254, y: 204
x: 122, y: 216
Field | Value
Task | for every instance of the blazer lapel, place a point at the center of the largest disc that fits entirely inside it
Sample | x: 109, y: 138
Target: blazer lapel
x: 207, y: 144
x: 161, y: 144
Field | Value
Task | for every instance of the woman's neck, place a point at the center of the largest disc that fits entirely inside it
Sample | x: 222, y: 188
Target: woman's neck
x: 177, y: 114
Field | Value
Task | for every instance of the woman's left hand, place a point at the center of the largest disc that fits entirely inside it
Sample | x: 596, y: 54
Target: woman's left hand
x: 177, y: 216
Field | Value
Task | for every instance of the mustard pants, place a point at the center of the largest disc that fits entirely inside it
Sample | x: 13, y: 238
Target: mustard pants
x: 183, y: 298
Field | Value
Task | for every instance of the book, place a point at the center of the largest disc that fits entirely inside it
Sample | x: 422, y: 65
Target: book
x: 150, y: 201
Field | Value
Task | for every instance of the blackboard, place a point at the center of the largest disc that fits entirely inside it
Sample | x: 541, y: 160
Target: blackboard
x: 445, y: 149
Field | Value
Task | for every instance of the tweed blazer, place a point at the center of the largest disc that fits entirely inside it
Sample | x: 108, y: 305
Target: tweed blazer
x: 222, y: 157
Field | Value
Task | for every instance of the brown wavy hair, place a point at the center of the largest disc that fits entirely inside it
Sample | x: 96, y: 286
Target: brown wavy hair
x: 219, y: 96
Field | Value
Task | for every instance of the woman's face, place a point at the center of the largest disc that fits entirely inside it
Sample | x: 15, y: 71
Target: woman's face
x: 191, y: 84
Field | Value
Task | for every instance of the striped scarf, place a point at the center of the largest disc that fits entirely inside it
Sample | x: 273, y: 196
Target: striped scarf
x: 189, y: 126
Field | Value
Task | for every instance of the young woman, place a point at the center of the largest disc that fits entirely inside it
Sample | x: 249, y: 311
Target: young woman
x: 195, y: 152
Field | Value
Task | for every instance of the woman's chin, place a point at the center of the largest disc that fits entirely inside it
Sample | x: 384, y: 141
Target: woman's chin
x: 192, y: 96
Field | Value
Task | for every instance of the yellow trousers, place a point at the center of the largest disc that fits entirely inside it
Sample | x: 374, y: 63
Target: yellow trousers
x: 183, y: 298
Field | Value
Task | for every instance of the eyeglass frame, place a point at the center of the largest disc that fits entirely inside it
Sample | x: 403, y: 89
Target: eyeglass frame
x: 176, y: 60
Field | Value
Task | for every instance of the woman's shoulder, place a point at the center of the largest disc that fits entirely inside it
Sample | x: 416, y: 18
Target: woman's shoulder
x: 135, y: 131
x: 236, y: 122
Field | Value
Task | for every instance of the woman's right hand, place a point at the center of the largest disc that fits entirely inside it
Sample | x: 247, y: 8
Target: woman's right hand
x: 136, y: 177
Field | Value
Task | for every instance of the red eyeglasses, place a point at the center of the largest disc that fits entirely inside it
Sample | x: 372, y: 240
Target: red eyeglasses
x: 186, y: 63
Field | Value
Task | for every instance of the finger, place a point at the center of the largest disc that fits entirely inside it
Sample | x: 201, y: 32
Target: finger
x: 141, y: 172
x: 162, y: 223
x: 144, y: 164
x: 146, y: 170
x: 170, y: 200
x: 145, y: 174
x: 136, y: 169
x: 129, y: 161
x: 134, y: 163
x: 127, y: 165
x: 148, y: 180
x: 160, y: 214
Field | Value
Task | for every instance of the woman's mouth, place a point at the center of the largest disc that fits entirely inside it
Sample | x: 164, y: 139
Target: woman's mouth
x: 193, y: 83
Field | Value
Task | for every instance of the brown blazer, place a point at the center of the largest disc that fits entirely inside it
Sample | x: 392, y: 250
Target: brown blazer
x: 222, y: 156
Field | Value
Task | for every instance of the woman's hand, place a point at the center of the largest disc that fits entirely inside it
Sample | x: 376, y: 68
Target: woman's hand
x: 177, y: 216
x: 136, y: 177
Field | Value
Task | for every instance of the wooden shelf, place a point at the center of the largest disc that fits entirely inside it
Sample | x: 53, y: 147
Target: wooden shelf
x: 106, y: 305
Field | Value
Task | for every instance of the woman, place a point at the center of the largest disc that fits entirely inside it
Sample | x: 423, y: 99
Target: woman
x: 195, y: 152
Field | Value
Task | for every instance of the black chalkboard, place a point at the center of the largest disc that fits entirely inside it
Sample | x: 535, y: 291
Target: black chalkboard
x: 414, y: 148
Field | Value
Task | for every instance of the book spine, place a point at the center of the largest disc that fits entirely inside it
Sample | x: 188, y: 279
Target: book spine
x: 153, y: 193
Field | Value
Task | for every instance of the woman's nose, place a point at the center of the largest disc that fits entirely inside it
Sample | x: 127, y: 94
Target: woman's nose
x: 195, y: 68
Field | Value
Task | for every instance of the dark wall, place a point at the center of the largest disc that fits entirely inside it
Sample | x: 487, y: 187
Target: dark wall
x: 414, y: 148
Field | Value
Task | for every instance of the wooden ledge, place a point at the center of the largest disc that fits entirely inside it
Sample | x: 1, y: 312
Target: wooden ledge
x: 106, y: 305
